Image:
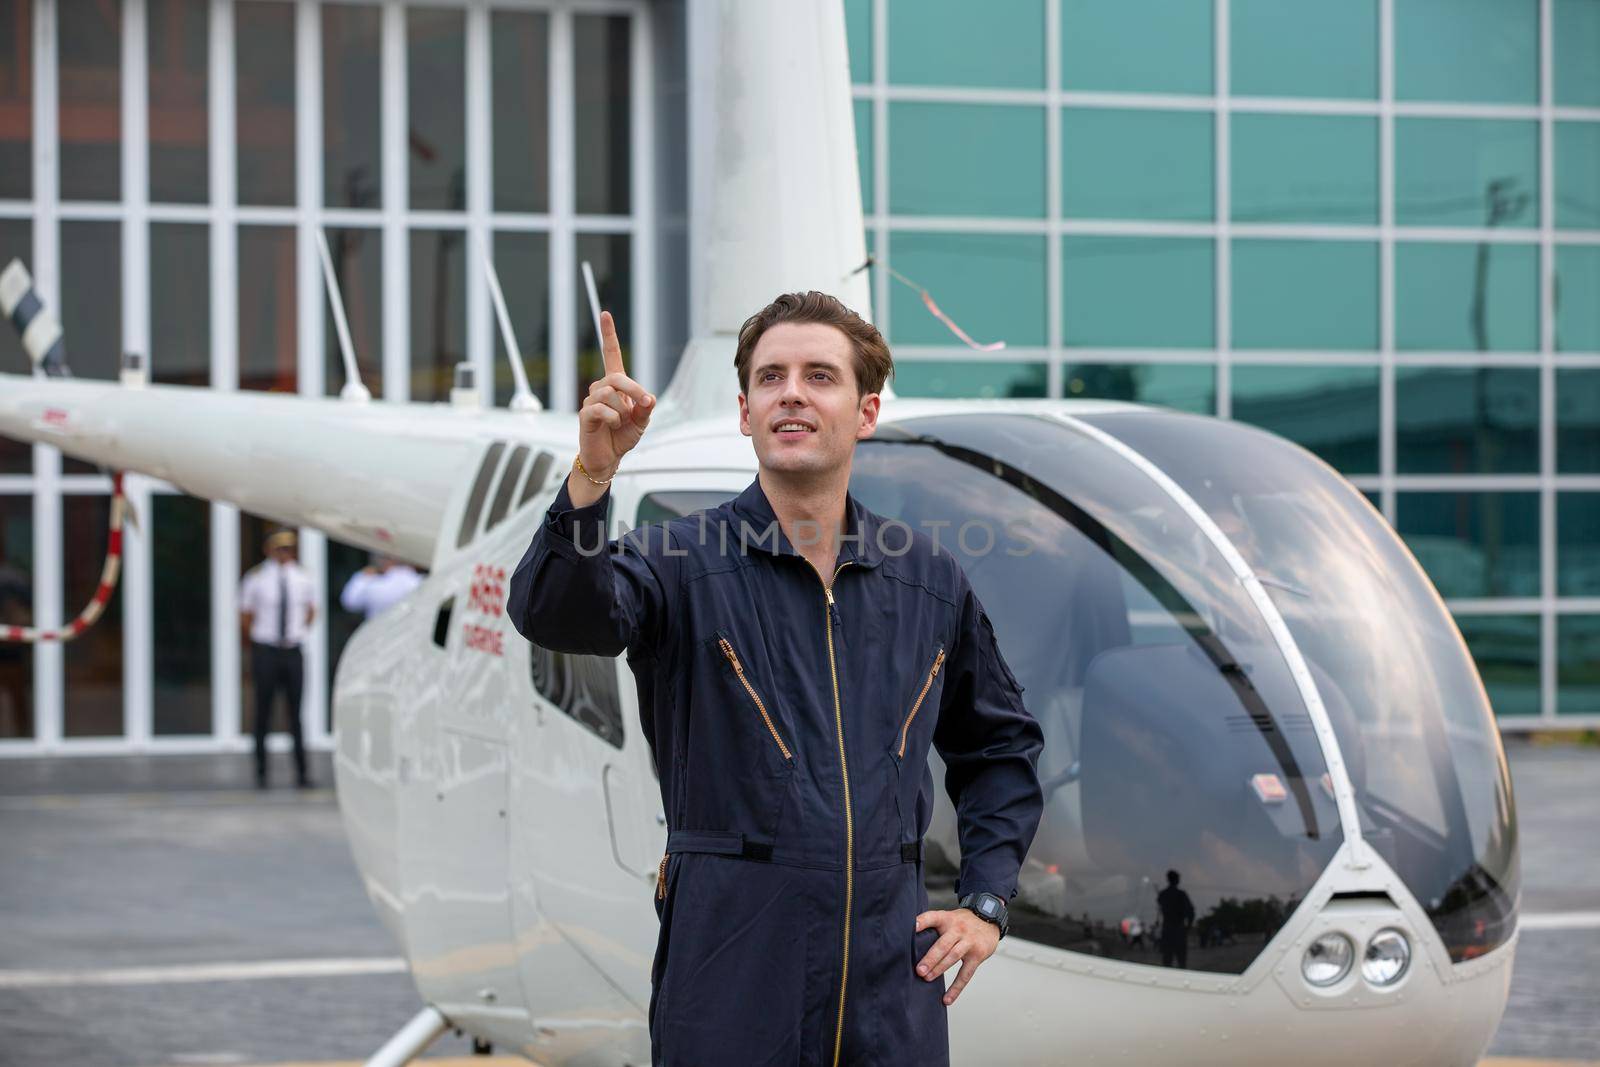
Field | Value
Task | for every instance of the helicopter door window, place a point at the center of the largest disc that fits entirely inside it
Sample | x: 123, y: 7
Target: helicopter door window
x: 659, y: 507
x: 480, y: 490
x: 508, y: 485
x: 538, y: 474
x: 581, y: 687
x: 441, y: 622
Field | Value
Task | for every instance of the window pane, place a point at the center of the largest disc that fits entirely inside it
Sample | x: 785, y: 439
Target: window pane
x: 1461, y: 297
x: 966, y: 159
x: 178, y: 38
x: 1577, y: 421
x: 1578, y: 175
x: 90, y: 87
x: 1125, y: 164
x: 611, y: 256
x: 1333, y: 411
x: 358, y: 263
x: 264, y: 103
x: 1305, y: 294
x: 1578, y: 544
x: 268, y: 342
x: 1481, y: 51
x: 352, y: 122
x: 1151, y: 46
x: 863, y: 118
x: 1577, y: 298
x: 968, y: 378
x: 1474, y: 544
x: 1468, y: 420
x: 1506, y: 650
x: 1110, y: 284
x: 16, y: 99
x: 16, y: 239
x: 1305, y: 168
x: 436, y: 86
x: 181, y: 568
x: 1304, y: 48
x: 1577, y: 46
x: 1466, y: 172
x: 91, y: 298
x: 180, y: 303
x: 999, y: 44
x: 438, y: 311
x: 601, y: 159
x: 858, y: 32
x: 1578, y: 665
x: 992, y: 285
x: 521, y: 56
x: 1183, y: 386
x: 16, y: 609
x: 94, y: 659
x: 523, y: 263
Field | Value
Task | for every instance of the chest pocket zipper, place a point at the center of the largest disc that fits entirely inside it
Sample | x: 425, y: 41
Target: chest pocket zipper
x: 738, y: 669
x: 927, y: 683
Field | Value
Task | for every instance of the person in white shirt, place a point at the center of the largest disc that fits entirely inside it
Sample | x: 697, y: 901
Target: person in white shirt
x: 380, y: 586
x: 277, y: 601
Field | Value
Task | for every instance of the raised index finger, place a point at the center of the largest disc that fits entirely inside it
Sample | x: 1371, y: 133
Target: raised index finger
x: 610, y: 348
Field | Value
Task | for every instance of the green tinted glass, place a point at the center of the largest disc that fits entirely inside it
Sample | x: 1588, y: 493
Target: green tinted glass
x: 1333, y: 411
x: 863, y: 115
x: 1578, y: 298
x: 1474, y: 544
x: 1305, y: 294
x: 995, y: 44
x: 1184, y: 386
x: 1138, y: 291
x: 1578, y: 175
x: 1304, y: 48
x: 1578, y: 665
x: 1478, y: 51
x: 958, y: 378
x: 1466, y: 420
x: 1577, y: 44
x: 1119, y: 163
x: 1305, y: 168
x: 1138, y: 46
x: 1437, y: 297
x: 1466, y: 172
x: 1506, y: 650
x: 966, y: 159
x: 1578, y: 421
x: 1578, y: 544
x: 858, y: 37
x: 992, y: 285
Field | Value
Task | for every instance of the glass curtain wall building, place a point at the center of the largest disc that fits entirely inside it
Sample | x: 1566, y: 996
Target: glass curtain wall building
x: 1372, y: 227
x: 164, y: 168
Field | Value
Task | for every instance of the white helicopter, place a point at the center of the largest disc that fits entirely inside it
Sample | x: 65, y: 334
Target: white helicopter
x: 1243, y: 676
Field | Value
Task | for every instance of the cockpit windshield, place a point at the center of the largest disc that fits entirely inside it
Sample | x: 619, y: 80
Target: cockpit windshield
x: 1187, y: 804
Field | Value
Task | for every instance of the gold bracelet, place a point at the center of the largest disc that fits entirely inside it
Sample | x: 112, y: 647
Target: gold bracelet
x: 577, y: 462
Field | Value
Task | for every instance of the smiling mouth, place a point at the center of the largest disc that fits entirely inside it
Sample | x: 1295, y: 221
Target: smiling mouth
x: 792, y: 429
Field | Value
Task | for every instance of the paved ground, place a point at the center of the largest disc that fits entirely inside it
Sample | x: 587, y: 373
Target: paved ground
x: 111, y: 864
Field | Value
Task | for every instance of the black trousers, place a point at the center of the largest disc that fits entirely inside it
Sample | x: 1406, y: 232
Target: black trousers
x: 275, y: 668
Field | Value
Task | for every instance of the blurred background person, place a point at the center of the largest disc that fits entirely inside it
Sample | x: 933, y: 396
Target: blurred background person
x: 378, y: 586
x: 277, y: 601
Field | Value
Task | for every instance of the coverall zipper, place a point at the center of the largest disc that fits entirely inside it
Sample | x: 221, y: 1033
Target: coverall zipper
x: 738, y: 668
x: 905, y: 727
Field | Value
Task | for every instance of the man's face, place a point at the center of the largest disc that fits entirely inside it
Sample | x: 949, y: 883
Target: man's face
x: 800, y: 408
x: 283, y: 553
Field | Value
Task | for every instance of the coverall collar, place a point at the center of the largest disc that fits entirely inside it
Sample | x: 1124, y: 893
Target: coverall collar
x: 760, y: 528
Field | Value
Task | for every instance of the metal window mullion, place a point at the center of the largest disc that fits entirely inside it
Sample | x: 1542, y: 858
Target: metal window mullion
x: 880, y: 166
x: 480, y: 170
x: 1223, y: 170
x: 1387, y: 444
x: 137, y: 580
x: 224, y: 365
x: 48, y: 658
x: 1055, y: 299
x: 641, y: 106
x: 1549, y: 648
x: 563, y: 247
x: 395, y: 298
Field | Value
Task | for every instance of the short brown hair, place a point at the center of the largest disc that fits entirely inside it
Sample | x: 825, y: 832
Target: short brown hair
x: 873, y: 364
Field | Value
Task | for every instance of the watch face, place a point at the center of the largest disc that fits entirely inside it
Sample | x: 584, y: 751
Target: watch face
x: 989, y: 908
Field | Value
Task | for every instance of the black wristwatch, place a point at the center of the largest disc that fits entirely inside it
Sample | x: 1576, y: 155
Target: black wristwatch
x: 987, y: 906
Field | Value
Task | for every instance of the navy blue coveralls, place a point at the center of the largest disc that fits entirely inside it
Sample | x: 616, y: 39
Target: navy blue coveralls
x: 790, y: 714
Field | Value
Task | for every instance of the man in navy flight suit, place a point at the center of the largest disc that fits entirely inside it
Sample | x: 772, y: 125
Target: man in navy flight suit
x: 796, y: 655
